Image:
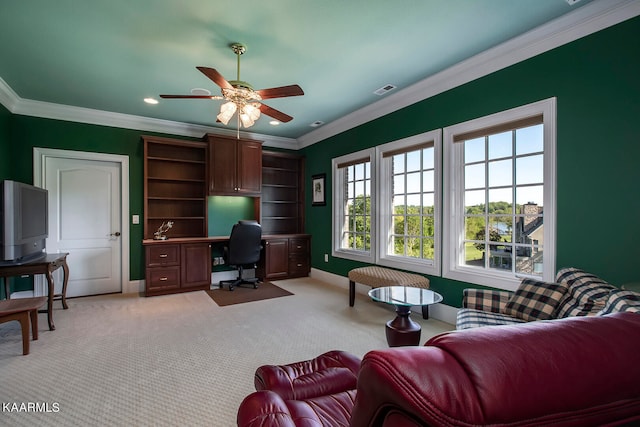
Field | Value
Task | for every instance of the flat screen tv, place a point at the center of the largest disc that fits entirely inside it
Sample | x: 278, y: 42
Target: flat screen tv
x: 24, y: 223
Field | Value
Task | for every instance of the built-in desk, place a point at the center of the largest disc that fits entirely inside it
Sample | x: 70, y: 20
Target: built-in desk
x: 45, y: 265
x: 184, y: 264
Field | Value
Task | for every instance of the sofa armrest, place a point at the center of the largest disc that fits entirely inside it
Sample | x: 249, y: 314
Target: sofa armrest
x: 332, y: 372
x: 491, y: 300
x: 264, y: 408
x: 267, y: 408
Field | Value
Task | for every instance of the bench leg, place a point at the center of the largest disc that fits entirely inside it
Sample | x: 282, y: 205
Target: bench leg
x: 352, y: 293
x: 425, y: 311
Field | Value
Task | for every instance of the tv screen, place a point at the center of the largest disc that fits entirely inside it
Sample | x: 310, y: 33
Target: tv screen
x: 24, y: 210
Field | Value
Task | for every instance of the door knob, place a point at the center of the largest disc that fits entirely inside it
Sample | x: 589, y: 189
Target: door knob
x: 117, y: 234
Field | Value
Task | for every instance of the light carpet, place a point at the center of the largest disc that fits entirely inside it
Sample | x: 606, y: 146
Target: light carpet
x: 176, y: 360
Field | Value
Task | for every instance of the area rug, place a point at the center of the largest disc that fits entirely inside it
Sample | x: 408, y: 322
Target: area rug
x: 242, y: 294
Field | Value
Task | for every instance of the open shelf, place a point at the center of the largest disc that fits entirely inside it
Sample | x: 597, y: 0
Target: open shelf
x: 175, y: 186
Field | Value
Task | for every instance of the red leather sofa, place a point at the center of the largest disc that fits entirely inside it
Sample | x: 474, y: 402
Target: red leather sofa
x: 579, y: 371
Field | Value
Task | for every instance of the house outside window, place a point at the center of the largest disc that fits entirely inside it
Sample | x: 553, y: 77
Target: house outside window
x: 500, y: 197
x: 481, y: 211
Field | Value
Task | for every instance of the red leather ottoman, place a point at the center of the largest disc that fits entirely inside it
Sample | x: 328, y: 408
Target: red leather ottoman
x: 330, y: 373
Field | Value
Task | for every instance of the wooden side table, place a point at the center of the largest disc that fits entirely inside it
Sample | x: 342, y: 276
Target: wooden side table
x: 45, y: 265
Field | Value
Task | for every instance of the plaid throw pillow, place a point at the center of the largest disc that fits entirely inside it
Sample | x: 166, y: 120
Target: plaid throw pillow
x: 587, y: 293
x: 620, y: 301
x: 535, y: 300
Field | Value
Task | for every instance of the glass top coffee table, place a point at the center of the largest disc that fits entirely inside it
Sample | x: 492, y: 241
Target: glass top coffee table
x: 402, y: 330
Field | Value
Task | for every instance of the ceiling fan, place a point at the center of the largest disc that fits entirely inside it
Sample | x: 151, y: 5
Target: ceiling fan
x: 241, y: 96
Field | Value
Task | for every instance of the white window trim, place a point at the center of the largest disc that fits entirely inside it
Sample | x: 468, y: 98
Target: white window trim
x: 384, y: 209
x: 338, y: 208
x: 453, y: 225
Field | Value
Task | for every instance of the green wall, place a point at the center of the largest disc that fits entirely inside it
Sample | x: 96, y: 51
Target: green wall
x: 597, y: 85
x: 5, y: 135
x: 598, y: 91
x: 29, y: 132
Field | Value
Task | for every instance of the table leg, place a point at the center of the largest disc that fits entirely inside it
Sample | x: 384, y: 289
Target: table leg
x: 65, y: 269
x: 52, y: 327
x: 402, y: 331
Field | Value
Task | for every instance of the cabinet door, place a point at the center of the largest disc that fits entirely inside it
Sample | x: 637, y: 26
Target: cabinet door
x: 222, y: 166
x: 276, y: 258
x: 196, y: 265
x: 249, y: 167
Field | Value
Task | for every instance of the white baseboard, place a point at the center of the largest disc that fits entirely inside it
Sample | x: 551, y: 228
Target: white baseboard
x: 442, y: 312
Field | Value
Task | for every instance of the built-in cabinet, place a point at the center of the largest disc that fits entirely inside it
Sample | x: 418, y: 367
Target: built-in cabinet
x: 285, y: 257
x: 282, y: 193
x: 180, y: 175
x: 176, y: 266
x: 235, y: 166
x: 175, y: 186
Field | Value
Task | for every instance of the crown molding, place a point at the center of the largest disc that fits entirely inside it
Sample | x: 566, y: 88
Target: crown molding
x: 48, y: 110
x: 591, y: 18
x: 586, y: 20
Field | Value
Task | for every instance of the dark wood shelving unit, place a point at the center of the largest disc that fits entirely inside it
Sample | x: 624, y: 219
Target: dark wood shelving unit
x: 175, y: 186
x: 282, y: 209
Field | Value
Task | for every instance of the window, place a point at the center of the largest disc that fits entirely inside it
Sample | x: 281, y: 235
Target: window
x: 390, y: 195
x: 499, y: 197
x: 409, y: 207
x: 354, y: 201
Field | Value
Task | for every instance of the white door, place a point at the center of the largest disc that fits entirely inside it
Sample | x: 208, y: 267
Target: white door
x: 85, y: 220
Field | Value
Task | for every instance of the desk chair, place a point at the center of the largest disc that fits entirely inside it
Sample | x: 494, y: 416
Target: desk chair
x: 243, y: 251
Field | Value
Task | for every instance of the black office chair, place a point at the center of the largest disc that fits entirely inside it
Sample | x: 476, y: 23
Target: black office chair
x: 243, y: 251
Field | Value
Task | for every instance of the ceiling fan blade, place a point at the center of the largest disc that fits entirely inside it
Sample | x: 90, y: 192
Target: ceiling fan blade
x: 190, y: 97
x: 216, y: 77
x: 272, y: 112
x: 280, y: 92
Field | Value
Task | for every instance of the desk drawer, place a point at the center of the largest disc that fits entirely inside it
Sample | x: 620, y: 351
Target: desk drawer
x: 163, y: 255
x: 298, y: 246
x: 163, y: 278
x: 299, y: 266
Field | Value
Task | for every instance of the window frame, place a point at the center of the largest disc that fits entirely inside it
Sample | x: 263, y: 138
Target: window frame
x: 453, y: 197
x: 385, y: 207
x: 339, y: 211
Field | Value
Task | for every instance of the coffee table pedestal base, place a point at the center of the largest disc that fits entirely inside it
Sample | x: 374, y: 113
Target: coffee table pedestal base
x: 402, y: 331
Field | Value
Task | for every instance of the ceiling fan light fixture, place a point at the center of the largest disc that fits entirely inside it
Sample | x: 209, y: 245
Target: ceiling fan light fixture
x: 227, y: 110
x: 249, y: 113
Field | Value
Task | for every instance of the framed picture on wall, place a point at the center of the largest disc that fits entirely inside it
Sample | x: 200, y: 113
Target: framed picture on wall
x: 317, y: 189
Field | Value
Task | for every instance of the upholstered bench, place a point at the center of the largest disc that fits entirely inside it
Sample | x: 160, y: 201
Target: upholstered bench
x: 23, y: 309
x: 377, y: 277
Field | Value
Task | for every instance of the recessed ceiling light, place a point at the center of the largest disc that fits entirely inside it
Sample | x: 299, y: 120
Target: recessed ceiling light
x: 316, y: 124
x: 151, y: 101
x: 274, y: 122
x: 200, y: 91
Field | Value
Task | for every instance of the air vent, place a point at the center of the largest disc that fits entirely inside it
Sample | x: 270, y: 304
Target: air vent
x: 316, y: 124
x: 384, y: 89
